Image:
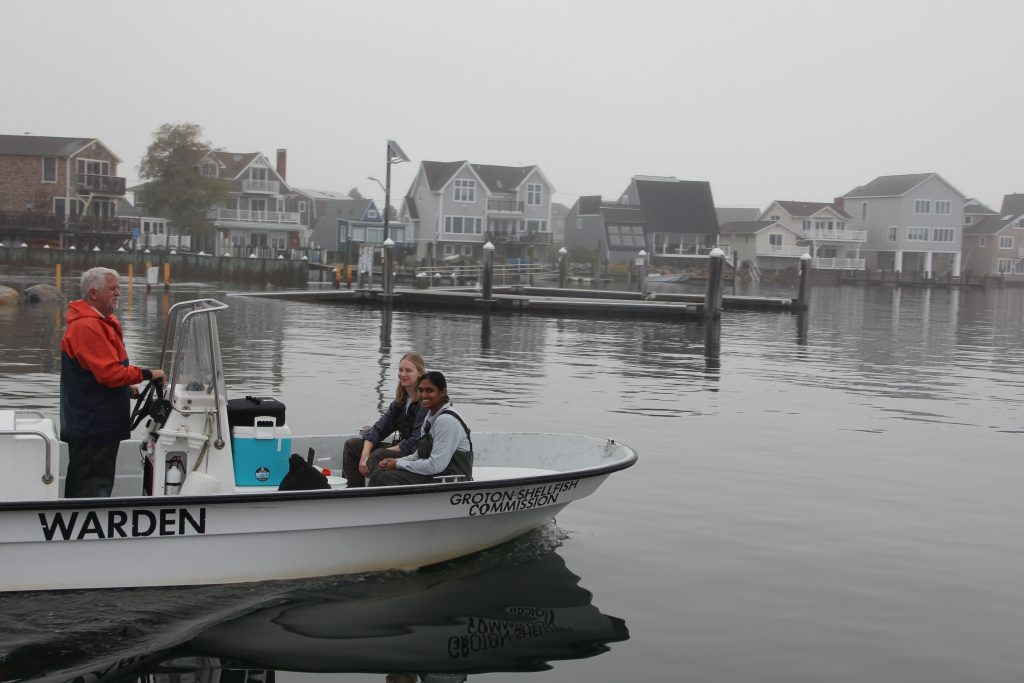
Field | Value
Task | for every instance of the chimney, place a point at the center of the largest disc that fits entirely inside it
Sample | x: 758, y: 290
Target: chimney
x: 282, y: 163
x: 838, y: 201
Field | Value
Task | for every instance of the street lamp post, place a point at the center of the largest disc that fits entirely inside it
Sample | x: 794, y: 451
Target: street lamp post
x: 395, y: 155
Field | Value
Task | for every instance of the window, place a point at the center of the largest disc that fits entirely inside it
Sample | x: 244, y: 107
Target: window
x: 626, y: 236
x: 922, y: 206
x: 1004, y: 265
x: 807, y: 226
x: 774, y: 218
x: 302, y: 207
x: 92, y: 167
x: 1006, y: 242
x: 257, y: 173
x: 397, y: 234
x: 280, y: 205
x: 358, y: 233
x: 863, y: 211
x: 775, y: 240
x: 968, y: 220
x: 465, y: 190
x: 536, y: 226
x: 463, y: 225
x: 451, y: 249
x: 1019, y: 223
x: 372, y: 213
x: 58, y: 207
x: 625, y: 199
x: 579, y: 223
x: 49, y: 169
x: 208, y: 168
x: 840, y: 225
x: 942, y: 234
x: 917, y: 234
x: 982, y: 242
x: 943, y: 207
x: 467, y: 250
x: 278, y: 241
x: 534, y: 194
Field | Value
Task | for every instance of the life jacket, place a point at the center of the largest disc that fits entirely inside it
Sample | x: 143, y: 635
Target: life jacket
x: 406, y: 422
x: 462, y: 461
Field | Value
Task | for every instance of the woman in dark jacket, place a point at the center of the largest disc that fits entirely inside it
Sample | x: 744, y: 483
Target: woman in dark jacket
x: 403, y: 418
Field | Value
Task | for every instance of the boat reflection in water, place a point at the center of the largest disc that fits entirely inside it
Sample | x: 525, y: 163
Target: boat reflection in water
x: 513, y: 608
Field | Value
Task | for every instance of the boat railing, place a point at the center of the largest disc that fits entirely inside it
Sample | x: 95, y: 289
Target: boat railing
x: 187, y: 310
x: 48, y: 471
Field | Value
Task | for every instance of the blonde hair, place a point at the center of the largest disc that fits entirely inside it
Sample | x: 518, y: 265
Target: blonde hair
x: 417, y: 360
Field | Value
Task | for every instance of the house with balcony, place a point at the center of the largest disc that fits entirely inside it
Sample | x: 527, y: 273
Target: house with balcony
x: 825, y: 229
x: 345, y: 226
x: 453, y: 208
x: 680, y: 215
x: 761, y: 245
x: 59, y: 191
x: 914, y: 223
x: 994, y: 243
x: 262, y: 214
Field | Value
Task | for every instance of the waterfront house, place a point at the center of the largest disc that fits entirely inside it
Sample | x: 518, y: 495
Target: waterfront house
x: 680, y: 215
x: 993, y: 244
x: 670, y: 219
x: 616, y: 232
x: 761, y: 246
x: 453, y: 208
x: 342, y: 224
x: 824, y: 227
x: 914, y: 223
x: 262, y: 214
x: 59, y: 191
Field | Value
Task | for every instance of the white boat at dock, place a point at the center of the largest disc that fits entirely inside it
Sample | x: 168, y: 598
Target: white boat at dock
x: 667, y: 277
x: 221, y: 526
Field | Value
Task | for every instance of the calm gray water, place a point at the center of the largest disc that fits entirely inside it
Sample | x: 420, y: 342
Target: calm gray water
x: 840, y: 506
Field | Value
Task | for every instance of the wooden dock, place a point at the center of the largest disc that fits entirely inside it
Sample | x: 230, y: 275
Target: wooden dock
x: 536, y: 300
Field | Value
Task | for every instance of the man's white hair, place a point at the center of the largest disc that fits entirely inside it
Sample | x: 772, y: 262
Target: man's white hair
x: 96, y: 278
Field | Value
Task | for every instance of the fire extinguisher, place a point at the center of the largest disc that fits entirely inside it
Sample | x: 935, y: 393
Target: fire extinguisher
x: 174, y: 476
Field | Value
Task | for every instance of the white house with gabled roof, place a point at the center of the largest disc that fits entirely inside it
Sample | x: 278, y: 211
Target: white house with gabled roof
x: 453, y: 208
x: 824, y: 228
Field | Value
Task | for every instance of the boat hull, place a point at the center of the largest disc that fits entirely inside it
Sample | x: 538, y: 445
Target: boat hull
x: 175, y: 540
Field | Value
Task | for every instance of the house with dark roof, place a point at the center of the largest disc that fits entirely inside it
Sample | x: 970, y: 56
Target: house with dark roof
x: 823, y: 225
x: 59, y: 191
x: 666, y: 217
x: 680, y: 214
x: 914, y: 223
x: 262, y: 214
x: 344, y: 226
x: 761, y: 245
x: 994, y: 243
x: 453, y: 208
x: 615, y: 230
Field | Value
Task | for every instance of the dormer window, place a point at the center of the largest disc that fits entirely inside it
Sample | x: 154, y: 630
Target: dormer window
x: 372, y: 213
x: 208, y: 168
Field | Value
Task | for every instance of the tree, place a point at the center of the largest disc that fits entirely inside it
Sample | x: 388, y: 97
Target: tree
x: 175, y: 189
x: 354, y: 193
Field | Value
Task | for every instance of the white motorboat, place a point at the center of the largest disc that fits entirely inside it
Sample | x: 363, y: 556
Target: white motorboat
x: 667, y: 277
x: 205, y: 508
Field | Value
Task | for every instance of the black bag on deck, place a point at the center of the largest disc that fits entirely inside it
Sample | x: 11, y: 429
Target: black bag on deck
x: 302, y: 476
x: 242, y: 411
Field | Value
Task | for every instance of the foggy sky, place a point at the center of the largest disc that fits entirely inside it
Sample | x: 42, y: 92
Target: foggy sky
x: 766, y: 100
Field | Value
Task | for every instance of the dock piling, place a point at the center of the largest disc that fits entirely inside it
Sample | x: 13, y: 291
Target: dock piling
x: 388, y: 283
x: 803, y: 292
x: 641, y: 270
x: 488, y: 271
x: 563, y: 267
x: 713, y: 294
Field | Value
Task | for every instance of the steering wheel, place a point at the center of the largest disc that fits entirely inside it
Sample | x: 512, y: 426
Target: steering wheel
x: 144, y: 403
